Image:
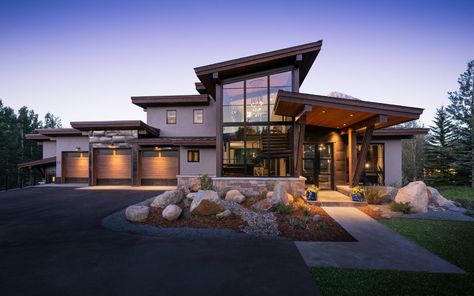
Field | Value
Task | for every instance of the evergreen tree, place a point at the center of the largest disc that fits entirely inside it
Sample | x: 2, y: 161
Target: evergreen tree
x: 439, y: 159
x: 461, y: 110
x: 413, y: 155
x: 51, y: 121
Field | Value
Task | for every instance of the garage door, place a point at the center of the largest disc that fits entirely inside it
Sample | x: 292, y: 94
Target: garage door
x: 158, y: 167
x: 75, y: 167
x: 113, y: 166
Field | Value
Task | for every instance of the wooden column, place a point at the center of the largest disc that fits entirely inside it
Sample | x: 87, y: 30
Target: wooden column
x: 363, y: 154
x: 352, y: 153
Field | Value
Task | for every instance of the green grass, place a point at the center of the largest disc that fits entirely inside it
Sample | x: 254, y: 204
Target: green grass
x: 462, y: 194
x: 453, y: 241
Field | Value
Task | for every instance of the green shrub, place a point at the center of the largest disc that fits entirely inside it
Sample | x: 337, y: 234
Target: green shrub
x: 305, y: 208
x: 404, y: 207
x: 206, y: 182
x: 372, y: 195
x: 298, y: 224
x: 283, y: 209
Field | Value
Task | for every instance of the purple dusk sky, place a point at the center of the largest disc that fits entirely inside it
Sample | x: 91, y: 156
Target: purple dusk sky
x: 83, y: 60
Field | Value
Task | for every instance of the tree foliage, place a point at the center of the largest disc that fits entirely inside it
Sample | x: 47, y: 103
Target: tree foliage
x: 413, y: 155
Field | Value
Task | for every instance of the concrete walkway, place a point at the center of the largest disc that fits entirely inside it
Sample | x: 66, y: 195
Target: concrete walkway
x: 378, y: 247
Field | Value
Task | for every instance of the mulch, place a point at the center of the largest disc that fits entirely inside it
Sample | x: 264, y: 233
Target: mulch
x: 326, y: 229
x: 376, y: 214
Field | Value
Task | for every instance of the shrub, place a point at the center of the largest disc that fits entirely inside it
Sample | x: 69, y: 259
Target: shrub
x: 307, y: 210
x: 297, y: 223
x: 372, y: 195
x: 404, y: 207
x: 206, y: 182
x: 283, y: 209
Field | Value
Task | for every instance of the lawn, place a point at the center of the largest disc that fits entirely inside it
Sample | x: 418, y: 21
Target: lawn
x: 462, y: 194
x: 453, y: 241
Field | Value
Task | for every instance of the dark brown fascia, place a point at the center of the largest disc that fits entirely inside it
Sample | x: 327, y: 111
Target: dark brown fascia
x: 177, y: 141
x: 38, y: 137
x: 201, y: 89
x: 115, y: 125
x: 347, y: 104
x: 163, y: 101
x: 39, y: 162
x: 302, y: 56
x: 59, y: 132
x: 400, y: 131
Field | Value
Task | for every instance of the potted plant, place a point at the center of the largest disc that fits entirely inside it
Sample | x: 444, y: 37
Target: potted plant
x: 312, y: 192
x: 358, y: 193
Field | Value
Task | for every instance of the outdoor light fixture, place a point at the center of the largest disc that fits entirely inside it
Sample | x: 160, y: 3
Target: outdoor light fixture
x: 367, y: 165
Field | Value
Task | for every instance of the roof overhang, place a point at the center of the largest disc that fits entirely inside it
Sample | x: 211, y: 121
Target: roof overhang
x: 201, y: 88
x: 38, y: 137
x: 302, y: 56
x: 159, y: 101
x: 115, y: 125
x: 338, y: 113
x: 399, y: 133
x: 50, y: 161
x: 59, y: 132
x: 177, y: 141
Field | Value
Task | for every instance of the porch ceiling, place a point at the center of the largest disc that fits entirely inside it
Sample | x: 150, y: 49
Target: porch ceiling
x: 338, y: 113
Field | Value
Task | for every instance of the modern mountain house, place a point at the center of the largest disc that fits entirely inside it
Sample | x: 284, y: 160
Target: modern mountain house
x: 248, y: 126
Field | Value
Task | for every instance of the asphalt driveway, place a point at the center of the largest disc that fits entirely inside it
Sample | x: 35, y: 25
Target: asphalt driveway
x: 52, y: 243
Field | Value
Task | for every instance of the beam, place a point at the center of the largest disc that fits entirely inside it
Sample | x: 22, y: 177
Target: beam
x: 363, y: 154
x: 301, y: 124
x: 352, y: 154
x: 374, y: 120
x: 306, y: 108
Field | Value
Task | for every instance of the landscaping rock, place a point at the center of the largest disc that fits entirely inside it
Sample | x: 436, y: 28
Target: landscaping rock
x: 171, y: 212
x: 387, y: 193
x: 137, y: 213
x: 235, y: 196
x: 416, y: 194
x: 205, y: 203
x: 191, y: 195
x: 437, y: 200
x: 195, y: 187
x: 290, y: 198
x: 223, y: 214
x: 316, y: 218
x: 269, y: 194
x: 263, y: 205
x: 167, y: 198
x: 280, y: 195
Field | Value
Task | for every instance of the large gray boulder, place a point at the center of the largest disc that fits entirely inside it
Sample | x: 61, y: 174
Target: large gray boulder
x: 438, y: 200
x: 167, y: 198
x: 387, y: 193
x: 137, y: 213
x: 416, y: 194
x: 280, y: 195
x: 235, y: 196
x: 205, y: 203
x: 171, y: 212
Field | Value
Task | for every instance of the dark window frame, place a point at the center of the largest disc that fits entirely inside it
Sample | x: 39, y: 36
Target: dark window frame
x: 191, y: 155
x: 175, y: 117
x: 194, y: 116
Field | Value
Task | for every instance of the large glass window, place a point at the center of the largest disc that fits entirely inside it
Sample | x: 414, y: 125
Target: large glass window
x: 254, y: 142
x: 373, y: 172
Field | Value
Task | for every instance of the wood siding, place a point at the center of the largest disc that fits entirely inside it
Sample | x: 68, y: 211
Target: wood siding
x: 75, y: 166
x: 163, y: 165
x: 113, y: 166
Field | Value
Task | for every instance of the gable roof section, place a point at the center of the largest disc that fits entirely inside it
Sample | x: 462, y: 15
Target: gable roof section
x: 184, y: 100
x: 115, y: 125
x: 260, y: 62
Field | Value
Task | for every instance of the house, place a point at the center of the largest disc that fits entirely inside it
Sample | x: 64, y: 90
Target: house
x: 248, y: 126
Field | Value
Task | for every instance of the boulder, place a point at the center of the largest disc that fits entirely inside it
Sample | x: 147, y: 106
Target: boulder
x: 280, y: 195
x: 195, y: 187
x: 263, y: 205
x: 438, y: 200
x: 205, y: 203
x: 167, y: 198
x: 171, y: 212
x: 416, y: 194
x: 316, y: 218
x: 223, y: 214
x: 191, y: 195
x: 235, y: 196
x: 290, y: 198
x: 387, y: 193
x: 269, y: 194
x: 137, y: 213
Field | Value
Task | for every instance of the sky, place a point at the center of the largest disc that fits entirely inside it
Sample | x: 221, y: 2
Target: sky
x: 83, y: 60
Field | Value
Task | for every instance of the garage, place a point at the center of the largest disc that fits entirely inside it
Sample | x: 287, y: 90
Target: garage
x: 113, y: 166
x: 158, y: 167
x: 75, y: 167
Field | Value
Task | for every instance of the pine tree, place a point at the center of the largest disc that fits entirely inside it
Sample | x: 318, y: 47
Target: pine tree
x: 51, y: 121
x: 439, y: 158
x: 461, y: 110
x: 413, y: 155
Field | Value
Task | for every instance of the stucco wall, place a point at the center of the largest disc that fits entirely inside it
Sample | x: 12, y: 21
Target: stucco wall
x: 206, y: 164
x: 393, y: 161
x: 69, y: 144
x: 184, y: 127
x: 49, y: 149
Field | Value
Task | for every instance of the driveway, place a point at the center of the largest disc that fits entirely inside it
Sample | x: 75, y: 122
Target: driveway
x: 52, y: 243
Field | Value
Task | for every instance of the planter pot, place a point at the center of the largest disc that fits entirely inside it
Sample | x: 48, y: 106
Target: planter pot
x: 312, y: 196
x: 359, y: 197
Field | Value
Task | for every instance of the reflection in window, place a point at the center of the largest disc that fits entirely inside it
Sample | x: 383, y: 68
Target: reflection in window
x: 373, y: 172
x: 233, y: 102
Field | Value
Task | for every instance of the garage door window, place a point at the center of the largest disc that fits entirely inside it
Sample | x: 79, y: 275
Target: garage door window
x: 113, y: 152
x: 193, y: 155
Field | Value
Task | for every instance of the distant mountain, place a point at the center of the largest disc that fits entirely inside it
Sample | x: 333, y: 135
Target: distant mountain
x: 341, y: 95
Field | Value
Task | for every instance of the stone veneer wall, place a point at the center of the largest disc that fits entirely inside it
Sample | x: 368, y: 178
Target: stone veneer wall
x: 118, y: 138
x: 247, y: 185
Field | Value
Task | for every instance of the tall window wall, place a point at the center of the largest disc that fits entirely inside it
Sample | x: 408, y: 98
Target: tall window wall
x: 255, y: 141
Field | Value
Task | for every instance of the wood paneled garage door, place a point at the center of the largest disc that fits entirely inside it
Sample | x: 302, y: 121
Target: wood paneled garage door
x: 75, y: 167
x: 158, y: 167
x: 113, y: 166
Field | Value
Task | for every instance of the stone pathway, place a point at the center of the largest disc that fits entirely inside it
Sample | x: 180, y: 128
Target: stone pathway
x: 378, y: 247
x: 260, y: 224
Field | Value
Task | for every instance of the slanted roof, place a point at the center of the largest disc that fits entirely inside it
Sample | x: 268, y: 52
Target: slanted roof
x: 115, y: 125
x: 399, y: 132
x: 182, y: 100
x: 339, y: 113
x: 59, y: 132
x: 177, y: 141
x: 260, y: 62
x: 38, y: 137
x: 38, y: 163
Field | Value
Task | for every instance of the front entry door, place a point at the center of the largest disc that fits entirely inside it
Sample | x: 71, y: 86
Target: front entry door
x: 317, y: 165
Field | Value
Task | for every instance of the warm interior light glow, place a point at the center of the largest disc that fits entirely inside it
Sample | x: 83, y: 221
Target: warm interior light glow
x: 367, y: 165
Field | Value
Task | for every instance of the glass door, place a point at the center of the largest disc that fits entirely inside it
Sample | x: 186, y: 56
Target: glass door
x: 317, y: 165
